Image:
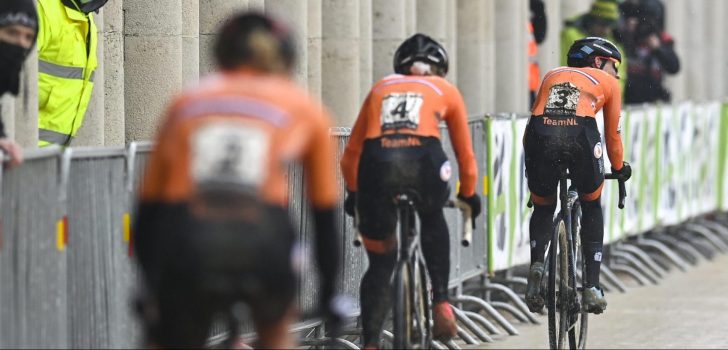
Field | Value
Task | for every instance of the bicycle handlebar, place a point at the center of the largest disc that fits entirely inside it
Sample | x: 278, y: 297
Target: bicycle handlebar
x: 622, y: 188
x: 609, y: 176
x: 468, y: 220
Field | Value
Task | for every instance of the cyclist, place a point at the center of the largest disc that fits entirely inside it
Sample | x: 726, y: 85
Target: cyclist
x: 212, y: 226
x: 395, y: 146
x: 563, y: 127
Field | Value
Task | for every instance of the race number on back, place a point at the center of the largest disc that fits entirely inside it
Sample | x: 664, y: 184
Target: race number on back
x: 401, y: 110
x: 563, y: 99
x: 230, y: 153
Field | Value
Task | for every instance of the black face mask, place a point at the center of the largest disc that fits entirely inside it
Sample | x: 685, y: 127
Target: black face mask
x: 11, y: 62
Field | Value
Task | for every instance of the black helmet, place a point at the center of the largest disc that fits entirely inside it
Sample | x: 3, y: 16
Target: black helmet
x: 420, y: 47
x: 583, y: 51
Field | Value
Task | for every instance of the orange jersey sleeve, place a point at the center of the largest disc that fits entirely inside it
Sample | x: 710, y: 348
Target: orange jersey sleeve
x: 457, y: 125
x: 612, y: 110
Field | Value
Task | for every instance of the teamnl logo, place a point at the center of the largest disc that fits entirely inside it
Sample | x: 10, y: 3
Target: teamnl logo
x: 560, y: 122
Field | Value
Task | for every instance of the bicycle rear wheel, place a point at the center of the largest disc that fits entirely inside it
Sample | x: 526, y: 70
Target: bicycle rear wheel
x: 422, y: 311
x: 401, y: 315
x: 558, y: 301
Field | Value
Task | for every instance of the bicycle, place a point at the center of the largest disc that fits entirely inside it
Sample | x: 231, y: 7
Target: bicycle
x: 411, y: 309
x: 565, y: 311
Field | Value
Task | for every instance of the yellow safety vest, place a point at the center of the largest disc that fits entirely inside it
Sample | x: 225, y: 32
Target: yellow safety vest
x: 67, y: 62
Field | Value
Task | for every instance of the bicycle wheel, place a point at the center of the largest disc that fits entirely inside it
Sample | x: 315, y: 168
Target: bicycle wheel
x: 558, y: 298
x: 579, y: 319
x: 422, y: 312
x: 401, y: 315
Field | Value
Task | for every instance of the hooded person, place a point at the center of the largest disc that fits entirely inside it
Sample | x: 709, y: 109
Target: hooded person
x: 18, y: 32
x: 67, y: 61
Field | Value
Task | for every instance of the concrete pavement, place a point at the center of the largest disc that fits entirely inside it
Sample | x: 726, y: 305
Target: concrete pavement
x: 685, y: 310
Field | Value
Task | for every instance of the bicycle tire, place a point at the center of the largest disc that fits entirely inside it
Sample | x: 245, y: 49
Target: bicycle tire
x: 579, y: 320
x: 401, y: 315
x: 558, y: 264
x: 422, y: 313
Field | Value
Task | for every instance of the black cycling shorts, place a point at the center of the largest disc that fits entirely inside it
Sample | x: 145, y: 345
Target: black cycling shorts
x: 204, y: 267
x: 419, y: 165
x: 572, y: 141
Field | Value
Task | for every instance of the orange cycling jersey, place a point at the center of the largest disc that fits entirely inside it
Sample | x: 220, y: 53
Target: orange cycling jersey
x: 245, y: 127
x: 412, y: 105
x: 568, y: 91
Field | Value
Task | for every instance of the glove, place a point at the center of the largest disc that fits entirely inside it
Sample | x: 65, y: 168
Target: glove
x: 625, y: 172
x: 350, y: 203
x: 474, y: 203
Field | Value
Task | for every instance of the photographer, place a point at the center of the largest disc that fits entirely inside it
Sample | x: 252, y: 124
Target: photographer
x: 650, y: 51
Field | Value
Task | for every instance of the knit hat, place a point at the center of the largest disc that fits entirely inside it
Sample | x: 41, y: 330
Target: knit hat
x: 18, y: 12
x: 605, y: 11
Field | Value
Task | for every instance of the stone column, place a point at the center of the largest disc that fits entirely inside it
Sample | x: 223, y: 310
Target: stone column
x: 410, y: 16
x: 550, y: 49
x: 340, y: 59
x: 695, y: 67
x: 213, y: 13
x: 152, y: 73
x: 113, y: 37
x: 474, y: 66
x: 388, y: 31
x: 715, y: 43
x: 190, y: 41
x: 511, y: 56
x: 294, y: 14
x: 676, y: 25
x: 433, y: 19
x: 365, y: 48
x: 571, y: 8
x: 313, y: 61
x: 26, y: 105
x: 91, y: 132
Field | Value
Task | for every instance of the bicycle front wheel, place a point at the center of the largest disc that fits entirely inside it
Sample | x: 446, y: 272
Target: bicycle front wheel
x: 558, y: 300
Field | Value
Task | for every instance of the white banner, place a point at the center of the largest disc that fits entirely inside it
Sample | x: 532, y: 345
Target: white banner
x: 521, y: 251
x: 500, y: 176
x: 633, y: 137
x: 669, y: 162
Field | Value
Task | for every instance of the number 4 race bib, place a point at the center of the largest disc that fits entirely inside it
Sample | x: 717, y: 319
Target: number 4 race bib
x: 401, y: 110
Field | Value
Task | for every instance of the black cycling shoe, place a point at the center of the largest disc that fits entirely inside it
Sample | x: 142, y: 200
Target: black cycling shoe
x: 534, y: 297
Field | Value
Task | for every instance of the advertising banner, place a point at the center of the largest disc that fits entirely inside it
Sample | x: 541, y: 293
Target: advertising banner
x: 500, y: 197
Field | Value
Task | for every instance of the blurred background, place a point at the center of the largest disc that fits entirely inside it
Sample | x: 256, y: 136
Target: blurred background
x: 148, y: 50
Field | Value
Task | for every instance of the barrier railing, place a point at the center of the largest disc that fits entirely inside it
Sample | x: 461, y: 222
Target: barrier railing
x: 66, y: 271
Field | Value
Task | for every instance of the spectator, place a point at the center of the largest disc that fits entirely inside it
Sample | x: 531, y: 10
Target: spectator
x: 600, y: 21
x: 650, y: 50
x: 66, y: 65
x: 537, y: 33
x: 18, y: 30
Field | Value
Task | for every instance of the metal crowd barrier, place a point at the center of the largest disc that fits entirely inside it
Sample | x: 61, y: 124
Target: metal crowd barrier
x: 67, y: 277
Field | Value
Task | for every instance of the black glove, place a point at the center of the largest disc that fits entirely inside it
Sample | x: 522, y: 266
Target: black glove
x: 350, y: 203
x: 474, y: 203
x: 625, y: 172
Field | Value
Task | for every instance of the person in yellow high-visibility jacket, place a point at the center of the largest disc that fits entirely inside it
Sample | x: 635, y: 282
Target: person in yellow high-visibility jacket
x: 67, y: 62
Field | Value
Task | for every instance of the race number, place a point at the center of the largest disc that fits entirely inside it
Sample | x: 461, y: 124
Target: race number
x: 230, y: 153
x: 401, y: 110
x: 563, y: 99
